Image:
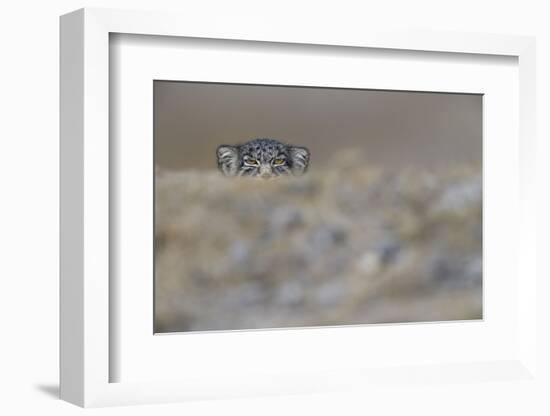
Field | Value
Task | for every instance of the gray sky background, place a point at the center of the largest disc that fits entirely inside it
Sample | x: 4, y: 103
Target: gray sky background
x: 393, y: 129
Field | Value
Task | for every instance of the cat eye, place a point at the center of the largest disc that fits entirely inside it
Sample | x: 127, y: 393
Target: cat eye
x: 251, y: 161
x: 278, y: 161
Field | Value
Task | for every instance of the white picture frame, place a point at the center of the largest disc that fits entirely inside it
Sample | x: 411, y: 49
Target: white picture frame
x: 87, y: 356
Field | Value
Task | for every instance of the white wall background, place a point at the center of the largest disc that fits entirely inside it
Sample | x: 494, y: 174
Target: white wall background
x: 29, y: 204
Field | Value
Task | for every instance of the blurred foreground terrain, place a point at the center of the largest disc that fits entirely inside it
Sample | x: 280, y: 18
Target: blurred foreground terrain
x: 351, y: 244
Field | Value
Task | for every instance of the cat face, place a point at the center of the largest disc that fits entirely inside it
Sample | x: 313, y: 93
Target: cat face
x: 262, y: 158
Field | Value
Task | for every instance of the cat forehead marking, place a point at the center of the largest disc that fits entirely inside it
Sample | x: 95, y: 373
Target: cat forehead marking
x: 265, y: 147
x: 263, y: 144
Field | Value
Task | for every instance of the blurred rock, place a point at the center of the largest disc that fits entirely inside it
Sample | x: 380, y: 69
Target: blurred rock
x: 349, y: 245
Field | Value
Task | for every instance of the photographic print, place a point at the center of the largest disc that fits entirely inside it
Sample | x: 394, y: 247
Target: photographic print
x: 291, y: 206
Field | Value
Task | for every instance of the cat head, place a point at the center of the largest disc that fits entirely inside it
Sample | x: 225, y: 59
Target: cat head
x: 262, y: 158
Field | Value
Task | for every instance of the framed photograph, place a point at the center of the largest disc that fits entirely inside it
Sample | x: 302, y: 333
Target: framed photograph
x: 265, y: 212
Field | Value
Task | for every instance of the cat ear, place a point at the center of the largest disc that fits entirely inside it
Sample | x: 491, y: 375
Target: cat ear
x: 228, y: 159
x: 300, y: 159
